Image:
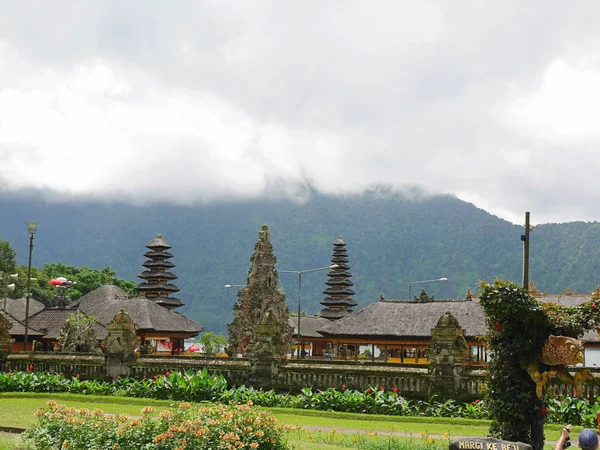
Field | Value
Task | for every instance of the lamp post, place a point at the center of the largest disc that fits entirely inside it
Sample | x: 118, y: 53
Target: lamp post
x: 299, y: 273
x: 234, y: 285
x: 423, y: 281
x: 4, y: 287
x: 31, y: 229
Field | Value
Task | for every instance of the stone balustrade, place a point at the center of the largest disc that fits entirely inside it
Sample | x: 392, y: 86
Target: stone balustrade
x: 413, y: 381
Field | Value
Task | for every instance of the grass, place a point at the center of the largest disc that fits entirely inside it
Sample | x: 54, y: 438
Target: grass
x: 17, y: 409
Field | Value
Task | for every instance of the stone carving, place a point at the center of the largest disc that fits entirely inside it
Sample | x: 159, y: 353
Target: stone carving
x: 423, y: 297
x: 265, y: 366
x: 260, y: 297
x: 78, y: 335
x: 469, y: 295
x: 5, y: 337
x: 558, y: 351
x: 448, y: 352
x: 120, y: 344
x: 533, y: 291
x: 562, y: 350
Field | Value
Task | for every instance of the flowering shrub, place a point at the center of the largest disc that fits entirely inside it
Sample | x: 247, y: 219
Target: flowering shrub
x: 215, y: 427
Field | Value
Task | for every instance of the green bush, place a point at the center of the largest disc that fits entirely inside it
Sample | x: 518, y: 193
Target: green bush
x: 215, y: 427
x: 201, y: 386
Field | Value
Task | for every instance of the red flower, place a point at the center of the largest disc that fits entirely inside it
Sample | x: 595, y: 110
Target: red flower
x: 369, y: 391
x: 154, y: 377
x: 28, y: 370
x: 381, y: 388
x: 167, y: 373
x: 395, y: 390
x: 543, y: 411
x: 343, y: 387
x: 498, y: 326
x: 77, y: 376
x: 594, y: 306
x: 574, y: 393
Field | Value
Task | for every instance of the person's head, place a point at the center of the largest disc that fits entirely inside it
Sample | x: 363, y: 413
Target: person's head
x: 588, y: 439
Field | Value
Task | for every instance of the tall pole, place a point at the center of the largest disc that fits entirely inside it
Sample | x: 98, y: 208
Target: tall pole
x: 423, y: 281
x: 299, y: 273
x: 525, y: 239
x: 31, y: 227
x: 299, y: 339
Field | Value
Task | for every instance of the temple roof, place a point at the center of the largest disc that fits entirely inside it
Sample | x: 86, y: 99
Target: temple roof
x: 16, y: 307
x: 309, y: 325
x: 158, y: 243
x: 406, y: 319
x: 106, y: 301
x: 52, y: 320
x: 18, y: 329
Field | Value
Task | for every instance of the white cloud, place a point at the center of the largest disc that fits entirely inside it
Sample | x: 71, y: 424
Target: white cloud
x: 564, y: 108
x: 218, y: 100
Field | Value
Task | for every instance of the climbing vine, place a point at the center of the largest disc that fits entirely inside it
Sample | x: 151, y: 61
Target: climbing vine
x: 518, y: 326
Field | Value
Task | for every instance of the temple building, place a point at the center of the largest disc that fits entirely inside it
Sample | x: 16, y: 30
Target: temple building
x: 261, y: 295
x: 157, y: 284
x: 399, y: 331
x: 338, y: 302
x: 157, y: 325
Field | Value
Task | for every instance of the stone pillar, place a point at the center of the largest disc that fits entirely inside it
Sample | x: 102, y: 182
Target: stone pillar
x: 448, y: 352
x: 120, y: 345
x: 264, y: 350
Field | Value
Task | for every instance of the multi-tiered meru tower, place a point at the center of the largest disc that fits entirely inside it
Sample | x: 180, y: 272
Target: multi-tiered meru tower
x: 157, y: 279
x: 338, y: 302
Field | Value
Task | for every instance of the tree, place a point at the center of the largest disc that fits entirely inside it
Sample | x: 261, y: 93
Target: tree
x: 519, y: 327
x: 213, y: 343
x: 8, y: 266
x: 8, y: 263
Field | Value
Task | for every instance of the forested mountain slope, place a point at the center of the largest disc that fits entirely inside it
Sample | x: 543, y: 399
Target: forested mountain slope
x: 391, y: 241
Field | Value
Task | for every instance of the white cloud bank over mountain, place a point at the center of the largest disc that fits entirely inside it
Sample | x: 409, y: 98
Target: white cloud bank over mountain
x: 145, y: 102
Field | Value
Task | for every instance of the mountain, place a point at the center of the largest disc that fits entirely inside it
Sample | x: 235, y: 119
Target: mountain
x: 392, y: 240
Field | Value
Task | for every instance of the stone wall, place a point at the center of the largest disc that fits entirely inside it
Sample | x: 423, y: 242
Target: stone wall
x: 413, y: 381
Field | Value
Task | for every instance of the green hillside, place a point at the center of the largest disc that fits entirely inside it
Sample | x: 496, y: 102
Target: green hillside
x: 391, y: 241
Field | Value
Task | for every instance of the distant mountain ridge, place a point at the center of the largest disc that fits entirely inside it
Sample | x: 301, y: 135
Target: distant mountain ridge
x: 391, y: 240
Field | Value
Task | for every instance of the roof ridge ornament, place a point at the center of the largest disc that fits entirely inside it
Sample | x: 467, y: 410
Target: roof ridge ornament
x: 568, y: 291
x: 424, y: 297
x: 596, y: 294
x: 533, y: 291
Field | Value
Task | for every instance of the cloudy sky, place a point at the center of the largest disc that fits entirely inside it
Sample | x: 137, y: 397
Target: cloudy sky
x: 194, y: 102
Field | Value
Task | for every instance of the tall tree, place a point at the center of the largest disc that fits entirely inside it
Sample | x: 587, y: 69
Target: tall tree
x: 8, y: 262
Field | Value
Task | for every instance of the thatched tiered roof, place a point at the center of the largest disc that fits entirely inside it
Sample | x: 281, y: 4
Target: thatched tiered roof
x: 157, y: 279
x: 338, y: 302
x: 106, y: 301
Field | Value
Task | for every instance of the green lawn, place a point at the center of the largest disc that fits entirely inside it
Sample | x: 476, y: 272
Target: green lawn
x: 323, y: 430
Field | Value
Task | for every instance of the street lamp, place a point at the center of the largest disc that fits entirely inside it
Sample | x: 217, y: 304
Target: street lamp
x: 299, y: 273
x: 31, y: 229
x: 234, y: 285
x: 423, y: 281
x: 10, y: 287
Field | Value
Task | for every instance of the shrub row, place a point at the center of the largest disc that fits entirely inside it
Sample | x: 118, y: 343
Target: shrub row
x: 208, y: 427
x: 201, y: 386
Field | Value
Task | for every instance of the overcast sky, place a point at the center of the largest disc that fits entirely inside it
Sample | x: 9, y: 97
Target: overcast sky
x: 204, y: 101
